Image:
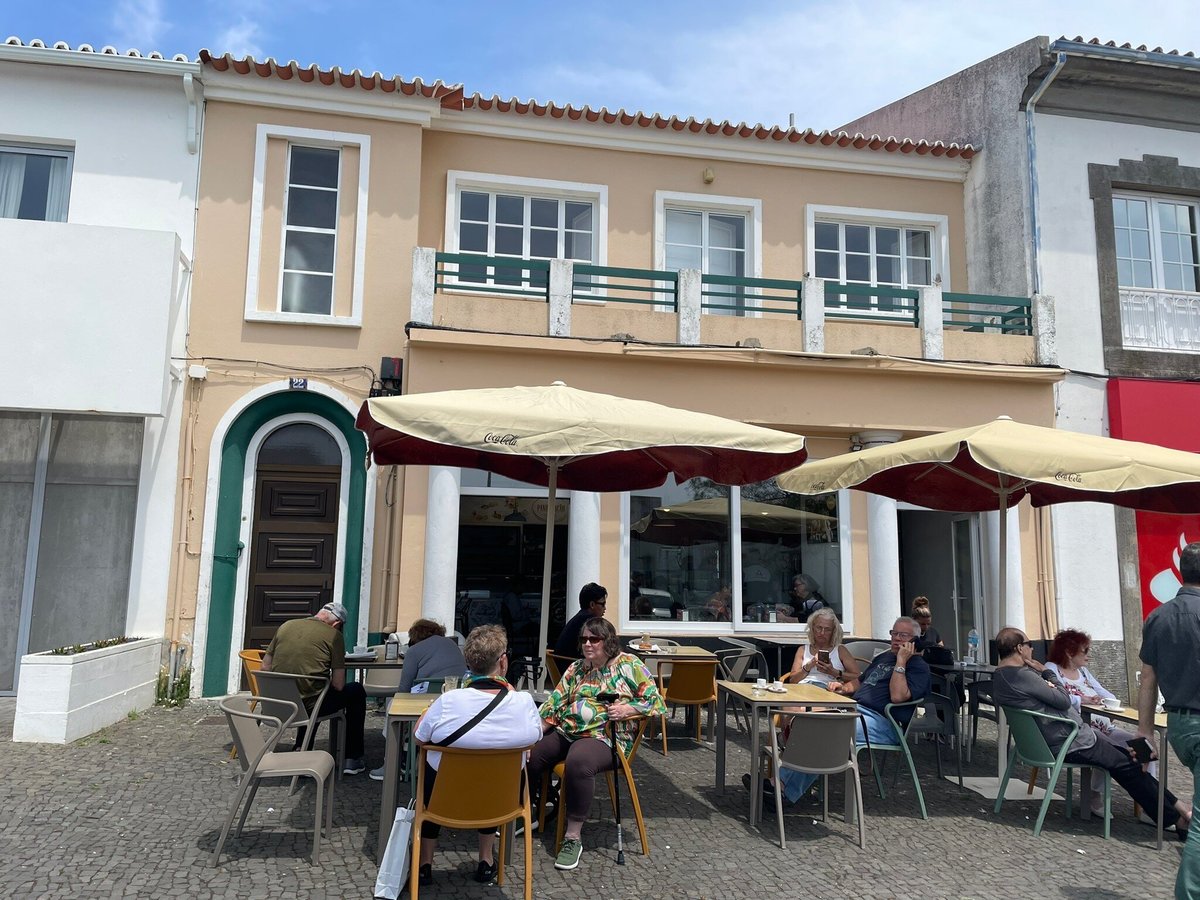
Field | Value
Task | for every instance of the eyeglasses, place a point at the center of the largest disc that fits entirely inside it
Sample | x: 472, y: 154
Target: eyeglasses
x: 902, y: 634
x: 1025, y: 644
x: 592, y: 639
x: 823, y: 628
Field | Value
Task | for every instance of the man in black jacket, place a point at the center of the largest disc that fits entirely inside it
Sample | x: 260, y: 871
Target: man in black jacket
x: 592, y: 601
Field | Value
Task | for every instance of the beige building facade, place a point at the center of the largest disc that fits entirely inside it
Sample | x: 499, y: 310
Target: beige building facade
x: 356, y: 233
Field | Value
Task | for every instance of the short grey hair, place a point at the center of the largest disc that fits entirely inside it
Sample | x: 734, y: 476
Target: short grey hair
x: 913, y: 625
x: 809, y: 582
x: 826, y: 613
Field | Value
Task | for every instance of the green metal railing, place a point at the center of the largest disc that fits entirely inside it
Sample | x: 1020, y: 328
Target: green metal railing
x: 738, y: 294
x: 640, y: 287
x: 984, y: 312
x: 504, y: 275
x: 879, y: 303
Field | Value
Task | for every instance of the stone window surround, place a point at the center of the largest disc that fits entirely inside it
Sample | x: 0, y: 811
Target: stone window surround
x: 1151, y: 174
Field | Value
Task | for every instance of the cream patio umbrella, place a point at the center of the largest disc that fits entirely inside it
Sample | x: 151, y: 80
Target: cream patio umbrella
x: 564, y: 437
x: 995, y: 465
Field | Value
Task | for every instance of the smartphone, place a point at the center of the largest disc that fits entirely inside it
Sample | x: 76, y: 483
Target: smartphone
x: 607, y: 698
x: 823, y: 656
x: 1141, y: 749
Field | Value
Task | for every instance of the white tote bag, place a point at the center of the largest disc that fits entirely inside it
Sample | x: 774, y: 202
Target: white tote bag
x: 393, y: 869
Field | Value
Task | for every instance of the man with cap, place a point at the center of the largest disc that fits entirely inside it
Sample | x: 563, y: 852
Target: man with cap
x: 314, y: 646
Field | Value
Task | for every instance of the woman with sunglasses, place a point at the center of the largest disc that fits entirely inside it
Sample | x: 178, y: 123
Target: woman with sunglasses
x: 606, y: 685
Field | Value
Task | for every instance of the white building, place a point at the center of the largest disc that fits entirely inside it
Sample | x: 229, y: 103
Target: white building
x: 98, y: 171
x: 1088, y: 189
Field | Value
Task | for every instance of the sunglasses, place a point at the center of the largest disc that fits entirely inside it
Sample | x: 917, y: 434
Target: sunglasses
x: 591, y: 639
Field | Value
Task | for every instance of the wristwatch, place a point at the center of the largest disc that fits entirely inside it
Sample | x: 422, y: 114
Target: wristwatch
x: 900, y: 669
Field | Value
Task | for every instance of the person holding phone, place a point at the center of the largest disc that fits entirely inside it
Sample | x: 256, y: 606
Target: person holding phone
x: 606, y: 685
x: 822, y: 660
x: 1023, y: 682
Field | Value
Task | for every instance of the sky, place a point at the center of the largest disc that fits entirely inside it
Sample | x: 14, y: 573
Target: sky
x: 825, y: 61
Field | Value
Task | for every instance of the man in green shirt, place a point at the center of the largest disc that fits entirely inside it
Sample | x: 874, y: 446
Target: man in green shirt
x: 314, y: 646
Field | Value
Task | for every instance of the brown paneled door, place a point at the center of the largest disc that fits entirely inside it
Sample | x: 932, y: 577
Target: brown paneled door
x: 292, y: 557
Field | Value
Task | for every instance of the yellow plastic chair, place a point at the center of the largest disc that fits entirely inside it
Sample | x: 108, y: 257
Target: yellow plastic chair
x: 688, y: 682
x: 459, y: 801
x: 259, y: 759
x: 556, y: 664
x: 626, y: 763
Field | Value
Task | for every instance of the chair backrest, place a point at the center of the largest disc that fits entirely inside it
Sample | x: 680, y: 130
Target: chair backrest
x: 246, y: 726
x: 691, y: 681
x: 820, y: 741
x: 1030, y: 742
x: 941, y: 716
x: 865, y: 649
x: 287, y: 687
x: 557, y: 664
x: 251, y: 663
x: 381, y: 681
x: 664, y: 641
x: 981, y: 690
x: 457, y: 799
x: 735, y: 663
x: 738, y: 642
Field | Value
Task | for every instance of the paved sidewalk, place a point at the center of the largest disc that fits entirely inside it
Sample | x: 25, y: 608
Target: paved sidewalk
x: 134, y: 811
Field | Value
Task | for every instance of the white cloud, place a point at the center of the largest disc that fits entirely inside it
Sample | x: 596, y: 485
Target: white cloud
x: 240, y: 39
x: 139, y: 24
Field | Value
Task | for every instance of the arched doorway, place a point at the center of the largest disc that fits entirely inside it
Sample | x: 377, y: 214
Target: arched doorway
x: 294, y: 529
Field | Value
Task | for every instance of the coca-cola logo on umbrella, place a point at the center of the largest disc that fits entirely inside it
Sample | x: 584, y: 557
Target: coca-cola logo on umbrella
x: 508, y: 440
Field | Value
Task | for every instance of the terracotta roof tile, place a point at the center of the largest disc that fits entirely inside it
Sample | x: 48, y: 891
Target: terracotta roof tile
x: 88, y: 48
x: 375, y: 81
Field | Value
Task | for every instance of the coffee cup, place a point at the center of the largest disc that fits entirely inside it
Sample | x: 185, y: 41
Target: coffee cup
x: 777, y: 686
x: 761, y: 684
x: 1111, y: 703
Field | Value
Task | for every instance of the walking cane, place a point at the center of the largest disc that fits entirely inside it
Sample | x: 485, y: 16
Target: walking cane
x: 616, y: 764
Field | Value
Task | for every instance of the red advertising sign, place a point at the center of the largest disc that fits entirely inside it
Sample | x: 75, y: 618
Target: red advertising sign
x: 1160, y: 538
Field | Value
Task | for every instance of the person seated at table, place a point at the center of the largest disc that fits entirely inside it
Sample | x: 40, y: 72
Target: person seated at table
x: 430, y: 655
x: 514, y: 722
x: 574, y: 719
x: 895, y: 676
x: 924, y: 616
x: 805, y: 600
x: 593, y: 600
x: 1022, y: 682
x: 315, y: 646
x: 717, y: 607
x: 823, y: 659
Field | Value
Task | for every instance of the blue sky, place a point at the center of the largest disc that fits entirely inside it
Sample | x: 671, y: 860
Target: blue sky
x: 826, y: 61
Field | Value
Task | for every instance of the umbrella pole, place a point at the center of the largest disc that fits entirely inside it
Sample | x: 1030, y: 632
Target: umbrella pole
x: 547, y: 565
x: 1002, y: 606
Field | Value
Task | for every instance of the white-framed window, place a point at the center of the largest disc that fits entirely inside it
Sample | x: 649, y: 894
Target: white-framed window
x: 312, y: 273
x: 717, y: 235
x: 877, y: 248
x: 523, y: 218
x: 1156, y: 242
x: 35, y: 183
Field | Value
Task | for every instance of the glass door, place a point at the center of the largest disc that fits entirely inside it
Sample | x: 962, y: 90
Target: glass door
x: 967, y: 594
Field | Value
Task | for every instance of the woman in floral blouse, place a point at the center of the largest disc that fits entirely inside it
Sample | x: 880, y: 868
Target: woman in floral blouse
x: 574, y: 720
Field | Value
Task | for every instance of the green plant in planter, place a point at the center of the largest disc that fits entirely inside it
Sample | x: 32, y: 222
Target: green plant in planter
x: 172, y: 696
x: 72, y: 649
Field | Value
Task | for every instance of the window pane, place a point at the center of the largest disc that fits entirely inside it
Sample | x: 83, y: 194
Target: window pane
x: 727, y: 231
x: 1120, y: 212
x: 315, y: 166
x: 309, y: 251
x: 1187, y: 250
x: 726, y: 262
x: 509, y: 241
x: 1190, y: 278
x: 1166, y: 217
x: 1172, y: 278
x: 919, y: 272
x: 473, y: 206
x: 826, y: 236
x: 682, y: 257
x: 887, y: 270
x: 918, y: 243
x: 307, y: 293
x: 543, y: 244
x: 827, y: 265
x: 543, y: 213
x: 472, y: 238
x: 1140, y: 244
x: 312, y: 209
x: 858, y: 268
x: 300, y: 444
x: 1170, y: 248
x: 1143, y: 275
x: 578, y: 246
x: 1137, y: 213
x: 1123, y: 247
x: 35, y: 188
x: 887, y: 241
x: 510, y: 210
x: 579, y: 216
x: 858, y: 238
x: 1125, y: 273
x: 683, y: 227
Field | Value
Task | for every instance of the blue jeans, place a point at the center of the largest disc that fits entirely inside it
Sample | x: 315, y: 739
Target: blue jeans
x: 1183, y: 731
x: 796, y: 784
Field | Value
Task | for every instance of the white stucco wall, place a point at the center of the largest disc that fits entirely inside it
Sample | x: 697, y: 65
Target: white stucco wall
x: 1085, y: 545
x: 133, y: 188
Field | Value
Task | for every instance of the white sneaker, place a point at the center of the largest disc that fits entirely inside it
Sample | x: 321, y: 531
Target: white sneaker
x: 354, y: 767
x: 377, y: 774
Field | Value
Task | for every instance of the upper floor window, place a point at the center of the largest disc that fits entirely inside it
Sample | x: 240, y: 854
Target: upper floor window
x: 873, y: 254
x: 34, y: 183
x: 1156, y: 242
x: 308, y: 226
x: 718, y: 236
x: 495, y: 215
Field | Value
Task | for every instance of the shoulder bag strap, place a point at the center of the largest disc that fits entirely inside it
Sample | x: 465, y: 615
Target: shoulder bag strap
x: 475, y: 720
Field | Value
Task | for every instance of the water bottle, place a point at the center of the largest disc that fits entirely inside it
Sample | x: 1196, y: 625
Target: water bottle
x: 391, y: 650
x: 973, y: 646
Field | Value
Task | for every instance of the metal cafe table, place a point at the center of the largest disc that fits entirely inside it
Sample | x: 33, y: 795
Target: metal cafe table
x: 402, y: 713
x: 766, y: 702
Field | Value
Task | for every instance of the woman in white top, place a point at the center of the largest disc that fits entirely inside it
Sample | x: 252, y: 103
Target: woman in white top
x: 1067, y: 658
x: 822, y: 660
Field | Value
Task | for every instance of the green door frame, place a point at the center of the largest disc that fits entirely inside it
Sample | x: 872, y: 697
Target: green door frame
x: 229, y: 517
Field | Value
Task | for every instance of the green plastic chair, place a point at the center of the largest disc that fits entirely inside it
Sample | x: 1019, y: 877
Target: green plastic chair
x: 900, y: 746
x: 1031, y: 749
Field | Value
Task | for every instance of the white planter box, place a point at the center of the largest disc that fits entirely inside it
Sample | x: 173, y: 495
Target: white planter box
x: 62, y: 698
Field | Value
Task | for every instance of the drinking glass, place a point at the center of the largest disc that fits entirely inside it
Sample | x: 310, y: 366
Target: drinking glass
x: 450, y: 684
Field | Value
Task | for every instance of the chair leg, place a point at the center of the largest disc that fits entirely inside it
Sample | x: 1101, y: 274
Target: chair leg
x: 662, y: 724
x: 528, y: 854
x: 329, y: 810
x: 825, y: 798
x: 1033, y: 774
x: 937, y: 752
x: 779, y: 810
x: 242, y: 788
x: 1051, y: 781
x: 499, y: 851
x: 858, y: 805
x: 878, y: 776
x: 246, y: 808
x: 414, y: 865
x: 612, y: 791
x: 912, y: 770
x: 560, y: 820
x: 316, y: 851
x: 637, y: 809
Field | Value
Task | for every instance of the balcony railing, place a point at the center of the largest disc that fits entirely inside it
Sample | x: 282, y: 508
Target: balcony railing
x: 1160, y: 320
x: 726, y: 295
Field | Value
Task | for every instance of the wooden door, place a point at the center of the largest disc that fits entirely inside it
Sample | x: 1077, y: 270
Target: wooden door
x: 294, y: 547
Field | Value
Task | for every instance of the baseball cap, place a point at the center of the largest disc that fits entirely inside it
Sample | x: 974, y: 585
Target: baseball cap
x: 336, y: 609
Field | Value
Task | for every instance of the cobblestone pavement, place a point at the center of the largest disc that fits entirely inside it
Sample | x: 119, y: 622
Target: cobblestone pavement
x: 134, y: 811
